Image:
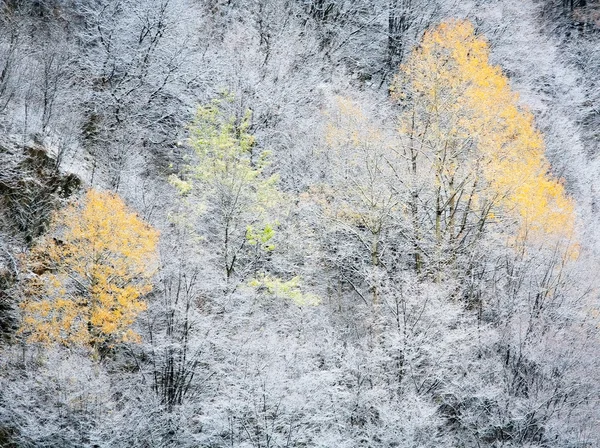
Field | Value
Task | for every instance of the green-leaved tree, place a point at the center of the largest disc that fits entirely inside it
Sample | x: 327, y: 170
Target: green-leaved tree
x: 229, y: 180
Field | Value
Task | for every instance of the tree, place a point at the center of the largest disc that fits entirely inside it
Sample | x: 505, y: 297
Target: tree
x: 476, y: 156
x: 231, y: 182
x: 92, y: 270
x: 134, y: 56
x: 174, y: 357
x: 359, y: 202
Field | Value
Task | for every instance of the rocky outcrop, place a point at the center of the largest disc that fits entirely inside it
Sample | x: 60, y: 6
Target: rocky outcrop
x: 31, y: 187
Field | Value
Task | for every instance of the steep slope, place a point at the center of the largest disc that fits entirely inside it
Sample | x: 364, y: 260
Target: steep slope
x: 305, y: 315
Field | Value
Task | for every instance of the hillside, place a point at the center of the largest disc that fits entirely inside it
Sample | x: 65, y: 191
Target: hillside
x: 299, y: 223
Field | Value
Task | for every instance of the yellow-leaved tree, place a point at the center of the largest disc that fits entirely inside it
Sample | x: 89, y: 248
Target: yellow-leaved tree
x: 93, y: 268
x: 475, y: 154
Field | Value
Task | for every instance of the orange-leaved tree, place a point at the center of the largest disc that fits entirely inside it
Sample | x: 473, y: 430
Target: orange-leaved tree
x: 92, y: 269
x: 476, y: 156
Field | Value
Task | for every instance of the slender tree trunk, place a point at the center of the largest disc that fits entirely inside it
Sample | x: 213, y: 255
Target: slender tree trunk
x: 375, y: 264
x: 397, y: 27
x: 414, y: 207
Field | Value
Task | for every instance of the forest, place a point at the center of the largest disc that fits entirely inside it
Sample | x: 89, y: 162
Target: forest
x: 299, y: 223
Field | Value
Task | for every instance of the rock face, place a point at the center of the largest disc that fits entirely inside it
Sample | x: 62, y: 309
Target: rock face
x: 31, y: 187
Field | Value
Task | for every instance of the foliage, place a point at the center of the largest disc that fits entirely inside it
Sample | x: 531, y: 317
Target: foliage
x: 289, y: 289
x: 93, y: 268
x: 230, y: 177
x: 483, y: 145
